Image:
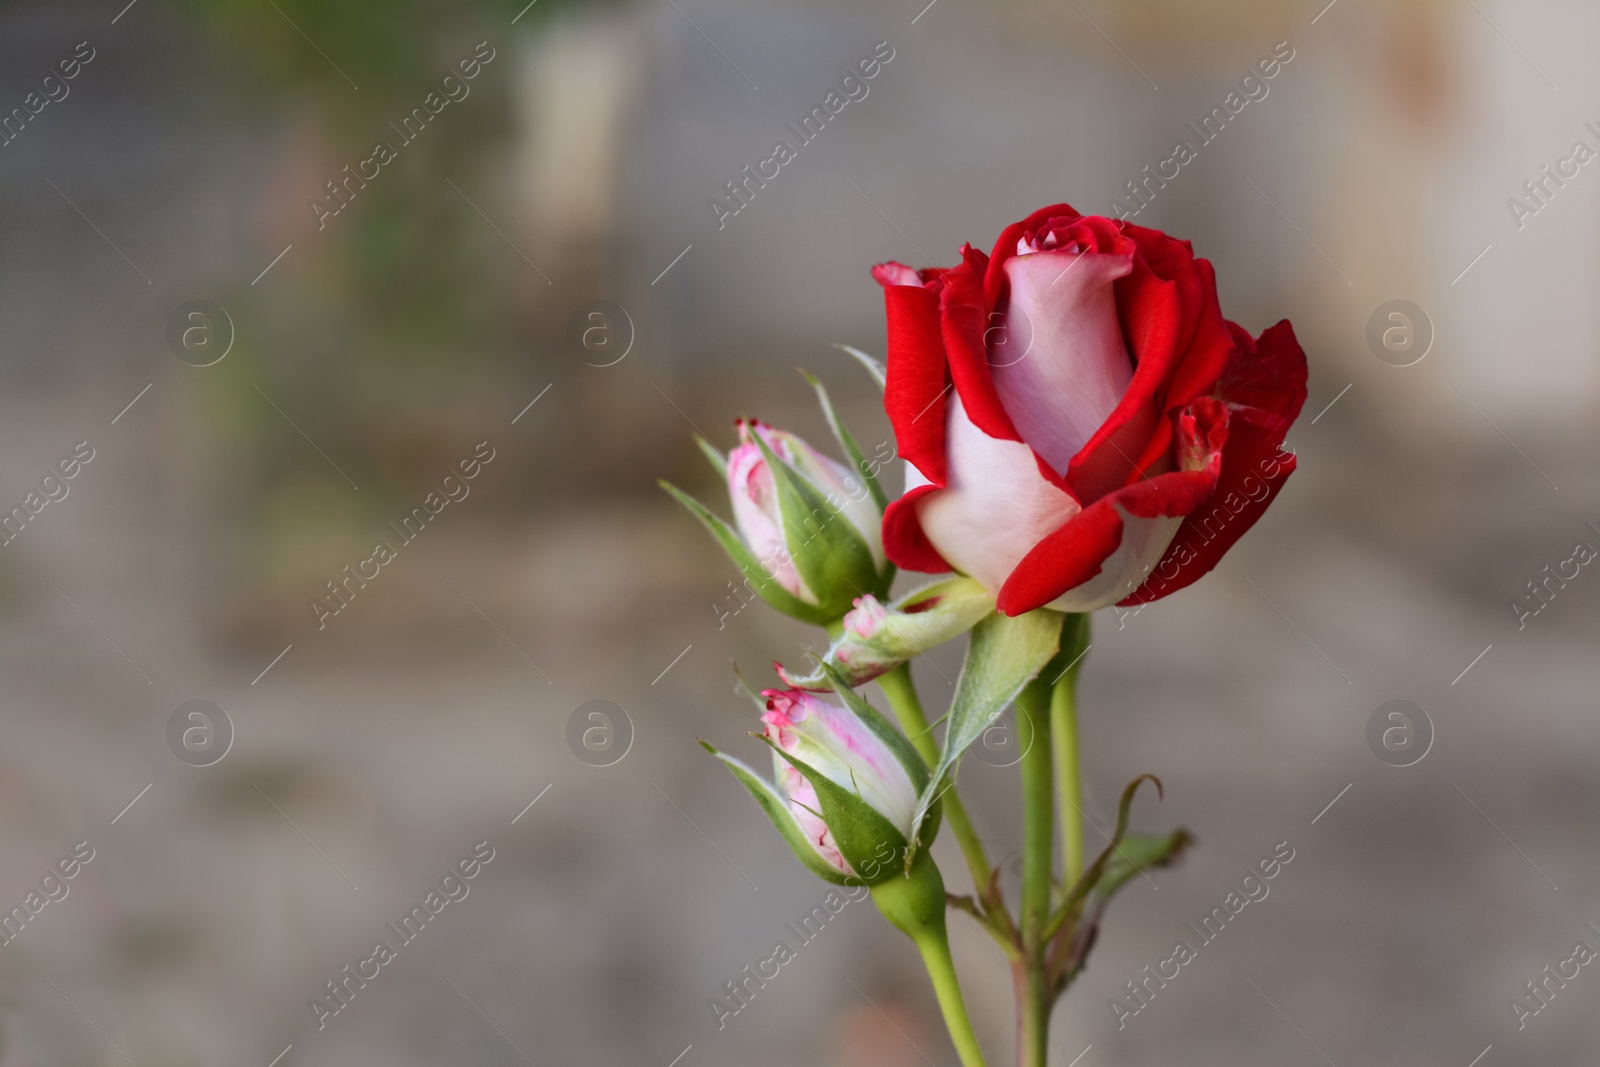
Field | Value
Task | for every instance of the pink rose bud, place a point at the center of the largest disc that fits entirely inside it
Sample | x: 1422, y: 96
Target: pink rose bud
x: 832, y: 740
x: 754, y: 494
x: 808, y: 531
x: 844, y: 514
x: 850, y: 796
x: 877, y: 638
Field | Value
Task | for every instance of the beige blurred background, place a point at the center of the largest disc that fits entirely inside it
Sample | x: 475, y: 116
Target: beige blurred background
x: 374, y: 354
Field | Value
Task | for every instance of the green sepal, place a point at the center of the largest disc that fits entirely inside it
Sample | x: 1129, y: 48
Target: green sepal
x: 851, y: 450
x: 866, y: 839
x: 874, y: 367
x: 719, y: 462
x: 767, y: 588
x: 833, y: 560
x: 742, y: 685
x: 1005, y: 654
x: 777, y: 809
x: 881, y: 728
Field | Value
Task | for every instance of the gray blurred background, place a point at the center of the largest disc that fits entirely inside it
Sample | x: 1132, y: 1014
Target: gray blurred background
x: 377, y: 352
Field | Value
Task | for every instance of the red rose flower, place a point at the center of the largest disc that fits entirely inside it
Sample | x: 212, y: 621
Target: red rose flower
x: 1082, y: 425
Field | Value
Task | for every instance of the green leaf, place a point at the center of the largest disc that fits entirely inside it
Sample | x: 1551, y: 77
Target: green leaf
x: 858, y: 462
x: 1119, y: 861
x: 867, y: 840
x: 719, y: 461
x: 918, y: 621
x: 1005, y: 655
x: 745, y: 560
x: 1096, y: 872
x: 874, y: 367
x: 1136, y: 852
x: 777, y: 810
x: 881, y: 728
x: 833, y: 560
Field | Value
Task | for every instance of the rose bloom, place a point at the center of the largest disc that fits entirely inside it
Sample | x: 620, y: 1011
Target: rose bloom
x: 1109, y: 435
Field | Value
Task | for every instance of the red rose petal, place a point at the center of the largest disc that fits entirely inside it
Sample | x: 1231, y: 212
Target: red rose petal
x: 918, y: 379
x: 1264, y: 388
x: 966, y: 317
x: 1180, y: 345
x: 994, y: 280
x: 903, y: 540
x: 1076, y: 552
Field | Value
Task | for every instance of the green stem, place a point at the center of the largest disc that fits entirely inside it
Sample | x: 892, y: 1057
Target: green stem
x: 1064, y: 740
x: 1033, y: 1015
x: 1038, y: 808
x: 942, y: 970
x: 902, y: 694
x: 915, y: 904
x: 1038, y: 839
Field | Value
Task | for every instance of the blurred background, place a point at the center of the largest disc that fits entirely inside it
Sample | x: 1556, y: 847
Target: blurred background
x: 356, y: 358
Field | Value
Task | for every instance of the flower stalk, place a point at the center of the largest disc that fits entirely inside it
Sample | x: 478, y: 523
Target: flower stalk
x: 1064, y: 744
x: 1034, y: 997
x: 915, y: 905
x: 942, y: 971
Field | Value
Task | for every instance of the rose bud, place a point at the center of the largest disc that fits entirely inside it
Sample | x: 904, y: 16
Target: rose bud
x: 850, y: 791
x: 848, y: 784
x: 1109, y: 435
x: 758, y: 512
x: 835, y: 743
x: 806, y: 531
x: 874, y: 638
